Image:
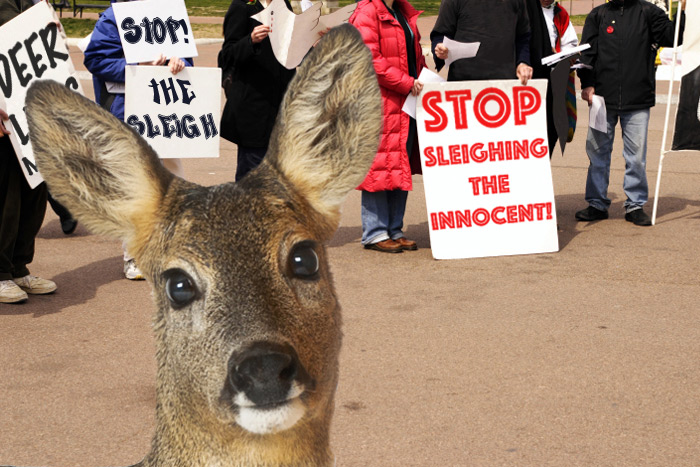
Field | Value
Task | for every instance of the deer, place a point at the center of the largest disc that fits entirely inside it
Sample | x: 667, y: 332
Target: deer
x: 247, y: 325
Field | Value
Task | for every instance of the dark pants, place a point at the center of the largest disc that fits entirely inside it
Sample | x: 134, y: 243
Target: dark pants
x: 21, y: 215
x: 248, y: 159
x: 61, y: 211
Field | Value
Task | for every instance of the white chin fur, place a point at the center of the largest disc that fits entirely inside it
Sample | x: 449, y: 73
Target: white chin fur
x: 266, y: 421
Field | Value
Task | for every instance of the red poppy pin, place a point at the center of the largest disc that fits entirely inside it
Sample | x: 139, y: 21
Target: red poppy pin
x: 610, y: 30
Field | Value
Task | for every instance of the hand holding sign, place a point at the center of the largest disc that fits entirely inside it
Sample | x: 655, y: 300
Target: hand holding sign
x: 293, y: 35
x: 259, y: 33
x: 31, y: 47
x: 3, y: 130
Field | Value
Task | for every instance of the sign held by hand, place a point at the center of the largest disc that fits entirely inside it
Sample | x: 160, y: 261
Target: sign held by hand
x: 153, y: 27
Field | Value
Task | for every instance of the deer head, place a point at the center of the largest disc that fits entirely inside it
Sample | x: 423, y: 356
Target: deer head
x: 248, y: 328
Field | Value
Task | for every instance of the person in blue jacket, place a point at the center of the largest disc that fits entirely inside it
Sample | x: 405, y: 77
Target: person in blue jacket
x: 104, y: 58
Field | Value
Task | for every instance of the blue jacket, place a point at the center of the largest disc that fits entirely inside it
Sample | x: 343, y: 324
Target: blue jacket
x: 104, y: 58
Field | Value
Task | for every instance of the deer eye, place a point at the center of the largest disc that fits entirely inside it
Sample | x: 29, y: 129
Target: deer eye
x: 179, y: 287
x: 303, y: 260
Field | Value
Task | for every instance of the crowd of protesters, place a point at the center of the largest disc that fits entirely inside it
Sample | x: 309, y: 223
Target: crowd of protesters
x: 526, y: 31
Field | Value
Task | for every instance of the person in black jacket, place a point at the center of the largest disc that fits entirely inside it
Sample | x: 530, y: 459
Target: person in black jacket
x: 258, y: 85
x: 22, y: 208
x: 621, y: 69
x: 501, y: 26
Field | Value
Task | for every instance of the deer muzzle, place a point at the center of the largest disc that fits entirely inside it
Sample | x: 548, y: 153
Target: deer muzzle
x: 267, y: 381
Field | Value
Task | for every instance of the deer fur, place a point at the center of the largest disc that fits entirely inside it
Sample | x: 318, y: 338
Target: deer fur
x: 231, y: 266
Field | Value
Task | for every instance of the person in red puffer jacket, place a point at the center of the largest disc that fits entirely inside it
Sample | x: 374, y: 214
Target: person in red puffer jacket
x: 389, y: 29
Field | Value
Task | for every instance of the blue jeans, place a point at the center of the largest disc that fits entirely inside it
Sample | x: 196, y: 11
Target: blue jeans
x: 599, y: 145
x: 382, y: 215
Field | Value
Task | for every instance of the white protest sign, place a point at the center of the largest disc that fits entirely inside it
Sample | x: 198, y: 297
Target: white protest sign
x: 292, y: 36
x: 486, y: 171
x: 153, y: 27
x: 31, y: 48
x: 177, y: 114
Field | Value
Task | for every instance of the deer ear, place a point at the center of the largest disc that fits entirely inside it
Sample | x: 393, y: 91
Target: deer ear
x: 328, y: 126
x: 94, y: 164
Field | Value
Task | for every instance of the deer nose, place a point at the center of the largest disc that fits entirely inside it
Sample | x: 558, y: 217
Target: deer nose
x: 264, y: 372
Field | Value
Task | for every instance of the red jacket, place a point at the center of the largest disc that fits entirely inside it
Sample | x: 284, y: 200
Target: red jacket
x: 385, y: 38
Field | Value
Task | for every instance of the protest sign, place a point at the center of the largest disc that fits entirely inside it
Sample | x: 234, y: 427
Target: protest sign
x: 687, y: 132
x: 177, y: 114
x: 153, y: 27
x: 486, y: 171
x: 292, y: 36
x: 32, y: 48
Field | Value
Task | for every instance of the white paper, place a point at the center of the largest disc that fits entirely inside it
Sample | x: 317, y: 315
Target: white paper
x: 577, y: 66
x: 292, y: 36
x: 458, y: 50
x: 114, y: 88
x: 27, y: 35
x: 305, y: 5
x: 169, y: 31
x: 178, y: 115
x: 555, y: 58
x: 597, y: 115
x: 426, y: 76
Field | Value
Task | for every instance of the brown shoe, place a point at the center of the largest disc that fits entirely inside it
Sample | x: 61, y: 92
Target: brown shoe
x: 386, y: 246
x: 406, y: 244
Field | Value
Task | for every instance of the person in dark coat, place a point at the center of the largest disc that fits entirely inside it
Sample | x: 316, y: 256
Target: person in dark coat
x: 22, y: 208
x: 620, y: 68
x: 502, y: 27
x: 258, y: 85
x: 547, y: 38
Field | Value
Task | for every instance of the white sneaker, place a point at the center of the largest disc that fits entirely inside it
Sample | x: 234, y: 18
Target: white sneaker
x: 10, y: 293
x: 35, y: 285
x: 131, y: 271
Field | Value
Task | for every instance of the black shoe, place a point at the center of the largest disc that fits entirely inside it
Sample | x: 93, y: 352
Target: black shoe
x: 638, y: 217
x: 591, y: 214
x: 68, y: 225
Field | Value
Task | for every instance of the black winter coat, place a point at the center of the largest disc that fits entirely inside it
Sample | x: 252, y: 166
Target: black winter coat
x: 259, y: 80
x: 621, y: 35
x: 9, y: 9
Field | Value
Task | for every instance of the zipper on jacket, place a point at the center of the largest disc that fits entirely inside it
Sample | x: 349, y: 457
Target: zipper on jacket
x: 619, y: 98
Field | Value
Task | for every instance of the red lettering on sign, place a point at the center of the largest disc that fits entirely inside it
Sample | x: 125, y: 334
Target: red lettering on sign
x: 526, y: 101
x: 430, y: 104
x: 492, y: 95
x: 499, y: 215
x: 459, y: 105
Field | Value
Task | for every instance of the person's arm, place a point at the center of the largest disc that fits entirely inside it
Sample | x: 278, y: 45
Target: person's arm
x: 588, y: 57
x: 389, y: 76
x: 569, y: 39
x: 523, y: 69
x: 104, y: 56
x: 3, y: 117
x: 663, y: 29
x: 240, y: 44
x: 445, y: 26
